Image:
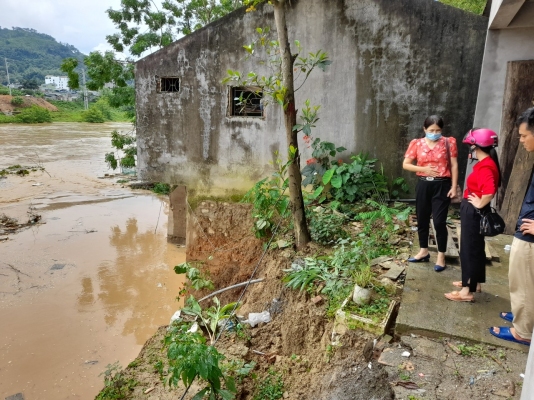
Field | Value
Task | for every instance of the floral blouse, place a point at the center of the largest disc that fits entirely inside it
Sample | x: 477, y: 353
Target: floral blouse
x: 436, y: 157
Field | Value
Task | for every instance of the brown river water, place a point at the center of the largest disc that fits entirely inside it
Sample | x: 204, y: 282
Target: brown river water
x: 92, y: 282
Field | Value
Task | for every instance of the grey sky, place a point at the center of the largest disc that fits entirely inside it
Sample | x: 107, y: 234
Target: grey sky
x: 81, y: 24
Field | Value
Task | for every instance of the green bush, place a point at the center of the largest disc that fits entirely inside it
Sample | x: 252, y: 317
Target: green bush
x: 161, y: 188
x: 474, y: 6
x: 7, y: 119
x: 14, y: 92
x: 17, y: 101
x: 34, y: 115
x: 346, y: 182
x: 93, y: 115
x: 103, y: 106
x: 326, y: 227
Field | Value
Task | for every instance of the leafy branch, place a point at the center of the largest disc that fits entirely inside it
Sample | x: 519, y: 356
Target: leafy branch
x: 267, y: 51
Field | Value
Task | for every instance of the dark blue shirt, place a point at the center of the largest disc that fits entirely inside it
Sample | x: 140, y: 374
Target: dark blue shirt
x: 527, y: 211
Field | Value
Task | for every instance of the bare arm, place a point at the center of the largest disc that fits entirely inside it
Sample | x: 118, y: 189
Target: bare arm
x: 454, y: 177
x: 454, y: 171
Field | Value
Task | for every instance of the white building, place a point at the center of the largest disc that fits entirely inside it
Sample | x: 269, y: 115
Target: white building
x: 61, y: 82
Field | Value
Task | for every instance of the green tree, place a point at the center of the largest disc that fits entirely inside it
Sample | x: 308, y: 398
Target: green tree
x: 30, y: 84
x: 302, y: 233
x: 142, y: 26
x: 17, y: 101
x: 162, y: 25
x: 280, y: 86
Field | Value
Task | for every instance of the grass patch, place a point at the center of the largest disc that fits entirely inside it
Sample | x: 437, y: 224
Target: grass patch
x: 161, y: 188
x: 7, y: 119
x: 474, y: 6
x: 72, y: 111
x: 69, y: 111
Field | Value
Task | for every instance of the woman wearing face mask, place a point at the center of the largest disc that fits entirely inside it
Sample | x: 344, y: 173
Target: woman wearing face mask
x: 481, y: 186
x: 437, y: 169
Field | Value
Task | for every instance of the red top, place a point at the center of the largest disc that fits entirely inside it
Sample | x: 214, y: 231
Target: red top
x: 435, y: 157
x: 484, y: 179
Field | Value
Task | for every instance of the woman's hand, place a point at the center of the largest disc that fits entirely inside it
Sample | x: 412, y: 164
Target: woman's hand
x: 475, y: 200
x: 452, y: 192
x: 479, y: 202
x: 430, y: 171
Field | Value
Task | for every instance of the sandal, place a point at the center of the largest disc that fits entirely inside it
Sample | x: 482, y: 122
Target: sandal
x: 455, y: 296
x: 506, y: 334
x: 508, y: 316
x: 459, y: 284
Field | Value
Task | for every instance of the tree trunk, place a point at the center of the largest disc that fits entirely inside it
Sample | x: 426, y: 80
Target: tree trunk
x: 302, y: 235
x: 516, y: 162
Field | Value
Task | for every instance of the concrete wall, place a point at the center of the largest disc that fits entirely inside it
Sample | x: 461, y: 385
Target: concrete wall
x: 501, y: 46
x: 394, y: 63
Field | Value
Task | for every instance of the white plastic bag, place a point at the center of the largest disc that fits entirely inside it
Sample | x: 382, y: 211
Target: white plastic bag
x: 255, y: 318
x: 175, y: 316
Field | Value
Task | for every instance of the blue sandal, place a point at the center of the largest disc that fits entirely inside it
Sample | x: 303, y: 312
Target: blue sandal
x: 507, y: 316
x: 505, y: 334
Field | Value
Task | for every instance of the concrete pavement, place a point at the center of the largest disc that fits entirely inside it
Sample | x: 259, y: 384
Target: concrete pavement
x: 425, y: 310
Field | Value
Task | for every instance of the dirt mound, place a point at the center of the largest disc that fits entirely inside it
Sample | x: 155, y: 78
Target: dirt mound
x: 7, y: 108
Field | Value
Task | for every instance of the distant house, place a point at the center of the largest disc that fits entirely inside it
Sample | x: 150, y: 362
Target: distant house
x: 61, y: 82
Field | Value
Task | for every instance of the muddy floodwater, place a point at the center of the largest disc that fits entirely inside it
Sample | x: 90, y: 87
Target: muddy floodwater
x: 90, y: 283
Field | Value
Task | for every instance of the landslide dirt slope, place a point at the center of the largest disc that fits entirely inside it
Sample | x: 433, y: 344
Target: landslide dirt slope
x: 297, y: 341
x: 7, y: 107
x: 294, y: 343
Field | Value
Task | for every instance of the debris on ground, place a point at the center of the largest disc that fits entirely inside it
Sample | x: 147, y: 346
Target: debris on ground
x: 10, y: 225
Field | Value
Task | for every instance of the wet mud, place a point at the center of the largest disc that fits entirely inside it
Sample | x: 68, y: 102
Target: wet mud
x: 88, y: 283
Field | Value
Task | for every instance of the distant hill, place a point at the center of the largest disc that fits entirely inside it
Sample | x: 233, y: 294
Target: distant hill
x: 32, y: 55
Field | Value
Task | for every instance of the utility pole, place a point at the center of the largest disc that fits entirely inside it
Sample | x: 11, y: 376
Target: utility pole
x: 7, y: 70
x: 85, y: 95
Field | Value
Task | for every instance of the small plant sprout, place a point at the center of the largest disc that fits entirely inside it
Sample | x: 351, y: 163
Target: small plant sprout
x: 210, y: 318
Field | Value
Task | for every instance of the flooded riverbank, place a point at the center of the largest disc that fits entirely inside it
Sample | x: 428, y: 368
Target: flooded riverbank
x: 89, y: 285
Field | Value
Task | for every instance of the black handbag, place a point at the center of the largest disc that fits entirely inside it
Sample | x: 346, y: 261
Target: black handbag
x: 491, y: 223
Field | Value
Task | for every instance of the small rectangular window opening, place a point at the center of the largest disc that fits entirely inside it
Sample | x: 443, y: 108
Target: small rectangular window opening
x: 246, y: 102
x: 168, y: 84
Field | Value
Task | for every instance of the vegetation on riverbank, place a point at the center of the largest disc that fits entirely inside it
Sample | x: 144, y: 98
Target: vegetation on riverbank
x: 68, y: 111
x: 99, y: 111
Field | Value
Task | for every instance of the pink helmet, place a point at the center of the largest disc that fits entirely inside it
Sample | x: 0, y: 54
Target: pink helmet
x: 481, y: 137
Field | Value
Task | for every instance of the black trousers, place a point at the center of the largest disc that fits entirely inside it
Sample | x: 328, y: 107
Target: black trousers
x: 472, y: 247
x: 431, y: 199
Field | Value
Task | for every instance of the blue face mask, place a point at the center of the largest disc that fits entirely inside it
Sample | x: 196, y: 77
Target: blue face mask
x: 433, y: 136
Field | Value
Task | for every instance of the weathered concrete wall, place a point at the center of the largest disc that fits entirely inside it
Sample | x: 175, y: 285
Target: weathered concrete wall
x: 394, y: 63
x: 501, y: 46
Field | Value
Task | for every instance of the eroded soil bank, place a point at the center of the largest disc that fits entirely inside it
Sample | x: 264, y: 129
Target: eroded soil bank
x: 297, y: 343
x: 88, y: 283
